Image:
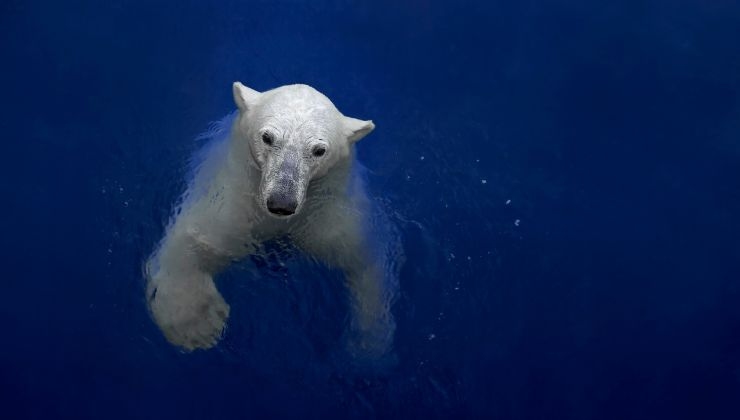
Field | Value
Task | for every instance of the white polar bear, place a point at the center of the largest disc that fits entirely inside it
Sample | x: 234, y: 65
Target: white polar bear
x: 283, y: 171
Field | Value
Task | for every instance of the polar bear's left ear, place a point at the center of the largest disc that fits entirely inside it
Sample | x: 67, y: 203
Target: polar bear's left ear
x: 244, y: 97
x: 357, y: 129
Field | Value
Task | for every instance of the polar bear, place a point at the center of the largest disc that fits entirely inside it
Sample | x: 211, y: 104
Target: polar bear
x: 284, y: 170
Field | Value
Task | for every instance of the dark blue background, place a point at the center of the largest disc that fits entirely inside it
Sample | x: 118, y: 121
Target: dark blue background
x: 613, y: 128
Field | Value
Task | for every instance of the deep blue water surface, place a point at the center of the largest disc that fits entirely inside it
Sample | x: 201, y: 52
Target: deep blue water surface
x: 607, y: 288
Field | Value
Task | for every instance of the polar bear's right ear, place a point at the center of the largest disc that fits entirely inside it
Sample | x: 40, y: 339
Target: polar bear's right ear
x: 244, y: 97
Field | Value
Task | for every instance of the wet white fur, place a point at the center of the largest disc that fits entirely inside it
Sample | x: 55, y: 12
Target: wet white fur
x: 223, y: 216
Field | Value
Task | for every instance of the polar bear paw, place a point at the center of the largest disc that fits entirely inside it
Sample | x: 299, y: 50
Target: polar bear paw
x: 371, y: 337
x: 191, y: 312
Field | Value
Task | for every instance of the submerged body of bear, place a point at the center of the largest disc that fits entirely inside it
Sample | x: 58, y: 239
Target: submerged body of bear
x: 284, y: 170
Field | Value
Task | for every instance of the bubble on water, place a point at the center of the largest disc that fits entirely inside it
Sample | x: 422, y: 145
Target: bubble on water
x: 483, y: 181
x: 469, y: 258
x: 517, y: 222
x: 508, y: 202
x: 421, y: 157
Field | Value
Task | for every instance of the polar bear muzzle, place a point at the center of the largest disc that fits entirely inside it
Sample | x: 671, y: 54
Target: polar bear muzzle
x: 284, y: 182
x: 282, y: 204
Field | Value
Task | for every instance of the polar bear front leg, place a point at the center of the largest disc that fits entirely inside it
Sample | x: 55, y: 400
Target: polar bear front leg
x: 337, y: 239
x: 182, y: 296
x: 373, y: 324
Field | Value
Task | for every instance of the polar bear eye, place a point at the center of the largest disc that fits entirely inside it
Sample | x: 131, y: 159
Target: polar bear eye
x: 267, y: 138
x: 319, y: 151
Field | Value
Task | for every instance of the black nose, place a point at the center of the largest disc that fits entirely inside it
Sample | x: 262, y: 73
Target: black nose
x: 282, y: 206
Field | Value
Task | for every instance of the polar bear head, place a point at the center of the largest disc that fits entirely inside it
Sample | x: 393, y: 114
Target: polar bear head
x: 293, y: 134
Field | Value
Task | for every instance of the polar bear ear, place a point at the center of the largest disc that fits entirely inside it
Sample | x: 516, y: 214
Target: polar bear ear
x: 357, y: 129
x: 244, y: 97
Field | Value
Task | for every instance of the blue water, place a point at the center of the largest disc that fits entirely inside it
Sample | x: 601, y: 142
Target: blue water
x: 606, y: 288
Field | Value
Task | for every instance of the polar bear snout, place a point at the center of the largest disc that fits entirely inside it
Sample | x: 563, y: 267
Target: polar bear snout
x: 284, y: 182
x: 282, y: 204
x: 282, y: 195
